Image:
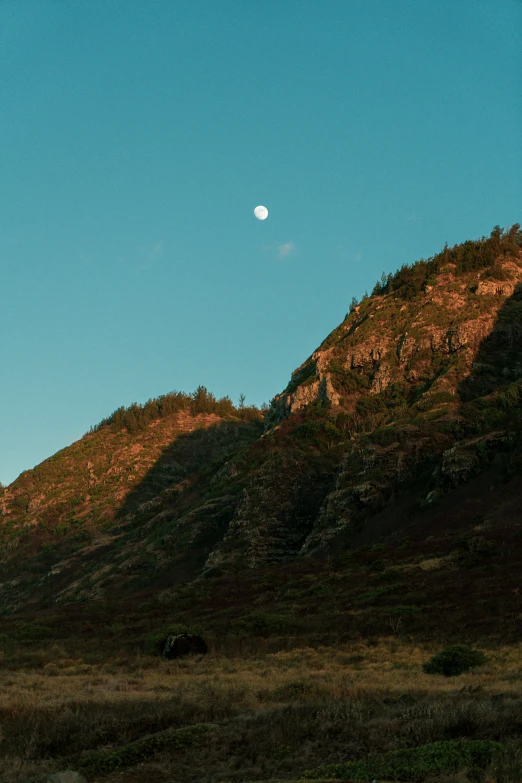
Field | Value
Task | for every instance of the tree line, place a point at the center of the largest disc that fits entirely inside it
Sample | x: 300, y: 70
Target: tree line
x: 137, y: 416
x: 470, y: 256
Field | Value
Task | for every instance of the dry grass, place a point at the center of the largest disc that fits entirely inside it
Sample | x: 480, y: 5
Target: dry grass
x: 277, y: 714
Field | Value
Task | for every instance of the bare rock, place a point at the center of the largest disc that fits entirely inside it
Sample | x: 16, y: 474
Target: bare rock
x: 184, y: 644
x: 463, y: 460
x: 381, y: 379
x: 327, y: 391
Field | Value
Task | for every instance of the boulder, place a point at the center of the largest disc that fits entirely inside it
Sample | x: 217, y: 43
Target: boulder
x: 66, y: 777
x: 184, y: 644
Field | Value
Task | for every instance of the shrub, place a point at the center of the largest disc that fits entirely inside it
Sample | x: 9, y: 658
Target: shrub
x: 31, y: 633
x: 413, y: 763
x: 308, y: 430
x: 506, y: 766
x: 454, y: 660
x: 347, y: 381
x: 106, y: 761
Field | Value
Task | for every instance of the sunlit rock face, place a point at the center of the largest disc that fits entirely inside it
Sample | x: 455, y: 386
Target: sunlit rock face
x: 387, y: 341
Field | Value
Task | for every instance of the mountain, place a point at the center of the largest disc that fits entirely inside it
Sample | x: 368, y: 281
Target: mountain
x: 403, y: 426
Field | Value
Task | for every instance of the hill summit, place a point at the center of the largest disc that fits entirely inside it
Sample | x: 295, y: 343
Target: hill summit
x: 409, y: 411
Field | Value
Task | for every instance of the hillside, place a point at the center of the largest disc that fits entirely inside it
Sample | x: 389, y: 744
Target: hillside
x: 405, y: 421
x: 76, y: 506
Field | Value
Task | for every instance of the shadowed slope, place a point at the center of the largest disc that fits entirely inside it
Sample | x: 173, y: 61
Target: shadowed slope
x: 92, y: 498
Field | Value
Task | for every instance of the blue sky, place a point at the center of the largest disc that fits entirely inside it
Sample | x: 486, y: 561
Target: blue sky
x: 136, y: 140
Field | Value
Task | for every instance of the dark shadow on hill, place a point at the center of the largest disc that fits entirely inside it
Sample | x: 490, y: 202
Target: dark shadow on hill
x: 190, y: 454
x: 498, y: 361
x: 183, y: 505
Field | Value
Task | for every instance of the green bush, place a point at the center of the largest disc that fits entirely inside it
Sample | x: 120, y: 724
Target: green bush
x: 308, y: 430
x: 31, y: 633
x: 413, y: 764
x: 106, y: 761
x: 454, y: 660
x: 506, y: 766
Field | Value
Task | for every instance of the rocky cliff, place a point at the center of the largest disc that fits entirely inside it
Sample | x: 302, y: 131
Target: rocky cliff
x: 425, y: 344
x: 407, y: 398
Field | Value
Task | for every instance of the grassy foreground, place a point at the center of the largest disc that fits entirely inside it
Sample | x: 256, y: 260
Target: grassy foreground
x: 289, y: 715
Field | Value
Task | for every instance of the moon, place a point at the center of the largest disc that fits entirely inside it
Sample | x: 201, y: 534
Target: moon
x: 261, y: 213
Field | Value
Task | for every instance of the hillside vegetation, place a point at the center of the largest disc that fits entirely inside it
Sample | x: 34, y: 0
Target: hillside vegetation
x: 70, y: 506
x: 202, y: 402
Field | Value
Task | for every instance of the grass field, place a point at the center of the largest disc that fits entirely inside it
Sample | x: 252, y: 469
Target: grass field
x: 255, y: 716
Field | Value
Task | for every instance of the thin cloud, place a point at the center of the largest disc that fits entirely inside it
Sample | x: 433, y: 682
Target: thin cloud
x: 286, y: 249
x: 282, y: 249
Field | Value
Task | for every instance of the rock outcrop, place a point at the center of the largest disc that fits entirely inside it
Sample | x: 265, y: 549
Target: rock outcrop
x: 385, y: 342
x: 182, y: 644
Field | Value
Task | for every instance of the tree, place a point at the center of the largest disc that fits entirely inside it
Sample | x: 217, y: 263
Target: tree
x: 241, y: 401
x: 202, y: 401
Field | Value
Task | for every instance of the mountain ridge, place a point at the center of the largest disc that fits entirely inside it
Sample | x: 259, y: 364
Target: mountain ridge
x: 412, y: 397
